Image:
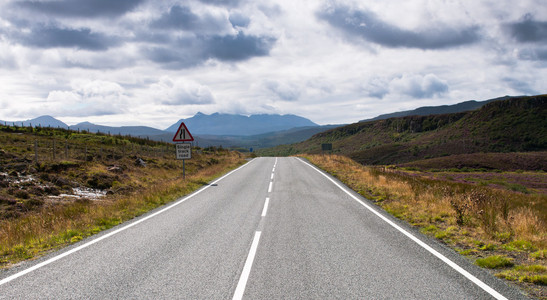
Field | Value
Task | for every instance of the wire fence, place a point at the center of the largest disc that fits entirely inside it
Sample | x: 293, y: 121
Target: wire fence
x: 53, y: 144
x: 54, y: 150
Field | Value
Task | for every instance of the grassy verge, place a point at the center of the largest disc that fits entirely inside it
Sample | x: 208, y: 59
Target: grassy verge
x: 498, y: 229
x: 34, y: 221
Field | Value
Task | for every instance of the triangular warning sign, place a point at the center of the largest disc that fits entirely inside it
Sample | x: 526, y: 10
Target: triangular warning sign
x: 183, y: 135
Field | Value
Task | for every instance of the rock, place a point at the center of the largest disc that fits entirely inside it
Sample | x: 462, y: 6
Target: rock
x: 140, y: 163
x: 115, y: 169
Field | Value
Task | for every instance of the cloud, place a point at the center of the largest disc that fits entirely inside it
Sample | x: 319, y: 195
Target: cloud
x: 181, y: 92
x: 418, y: 86
x: 87, y: 98
x: 190, y: 52
x: 533, y: 54
x: 8, y: 58
x: 228, y: 3
x: 81, y: 8
x: 239, y: 20
x: 183, y: 18
x: 376, y: 88
x: 204, y: 36
x: 528, y: 30
x: 520, y: 86
x: 368, y: 26
x: 53, y: 37
x: 238, y: 47
x: 284, y: 91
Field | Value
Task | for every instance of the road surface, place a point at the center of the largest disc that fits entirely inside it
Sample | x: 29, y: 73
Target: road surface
x: 276, y: 228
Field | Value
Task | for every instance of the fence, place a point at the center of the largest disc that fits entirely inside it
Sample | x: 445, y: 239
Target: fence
x: 52, y: 144
x: 52, y: 150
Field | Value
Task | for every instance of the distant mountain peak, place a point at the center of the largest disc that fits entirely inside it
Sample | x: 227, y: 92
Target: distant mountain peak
x: 235, y: 124
x: 86, y: 123
x: 42, y: 121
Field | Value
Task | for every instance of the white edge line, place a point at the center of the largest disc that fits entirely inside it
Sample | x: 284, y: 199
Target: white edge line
x: 53, y: 259
x: 240, y: 289
x: 265, y: 209
x: 452, y: 264
x: 270, y: 187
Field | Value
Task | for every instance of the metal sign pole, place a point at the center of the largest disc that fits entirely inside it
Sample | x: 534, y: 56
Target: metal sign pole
x: 184, y: 151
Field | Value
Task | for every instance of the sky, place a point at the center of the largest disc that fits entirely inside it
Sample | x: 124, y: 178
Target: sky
x: 151, y: 63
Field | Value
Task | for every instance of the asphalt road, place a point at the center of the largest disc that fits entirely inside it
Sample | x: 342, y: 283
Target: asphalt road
x: 272, y: 229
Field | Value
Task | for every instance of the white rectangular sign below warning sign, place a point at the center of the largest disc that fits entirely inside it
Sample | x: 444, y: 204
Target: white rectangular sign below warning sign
x: 184, y: 151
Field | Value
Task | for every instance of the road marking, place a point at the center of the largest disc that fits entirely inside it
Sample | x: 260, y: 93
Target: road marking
x: 265, y: 209
x: 240, y: 289
x: 53, y: 259
x: 452, y: 264
x: 242, y: 283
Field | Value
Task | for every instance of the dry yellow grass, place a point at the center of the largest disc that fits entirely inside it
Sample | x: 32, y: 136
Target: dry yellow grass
x: 424, y: 200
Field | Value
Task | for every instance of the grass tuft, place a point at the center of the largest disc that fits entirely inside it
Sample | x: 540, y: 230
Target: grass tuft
x: 494, y: 262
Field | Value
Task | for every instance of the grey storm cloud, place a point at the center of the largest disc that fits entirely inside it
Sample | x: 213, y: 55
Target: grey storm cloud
x: 228, y: 3
x: 533, y: 54
x: 173, y: 57
x: 52, y: 37
x: 528, y: 30
x: 203, y: 40
x: 81, y: 8
x: 239, y: 47
x: 239, y: 20
x: 182, y: 18
x: 368, y: 26
x: 192, y: 52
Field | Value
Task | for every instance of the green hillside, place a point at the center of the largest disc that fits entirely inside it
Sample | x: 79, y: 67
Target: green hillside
x: 514, y: 125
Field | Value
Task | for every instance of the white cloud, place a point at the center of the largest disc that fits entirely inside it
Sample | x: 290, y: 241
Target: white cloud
x: 180, y: 92
x: 86, y: 98
x: 283, y: 90
x: 418, y: 86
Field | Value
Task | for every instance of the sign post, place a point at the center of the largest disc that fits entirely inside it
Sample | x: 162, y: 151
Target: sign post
x: 183, y: 150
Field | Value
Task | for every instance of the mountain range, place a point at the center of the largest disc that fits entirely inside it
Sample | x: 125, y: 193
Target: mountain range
x: 516, y: 124
x: 227, y: 130
x: 437, y: 110
x: 232, y: 130
x: 233, y: 125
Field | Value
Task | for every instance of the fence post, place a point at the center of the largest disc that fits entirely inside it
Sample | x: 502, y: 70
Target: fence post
x: 36, y: 151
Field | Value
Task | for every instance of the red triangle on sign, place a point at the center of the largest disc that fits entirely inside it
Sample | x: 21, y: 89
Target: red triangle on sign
x: 183, y: 135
